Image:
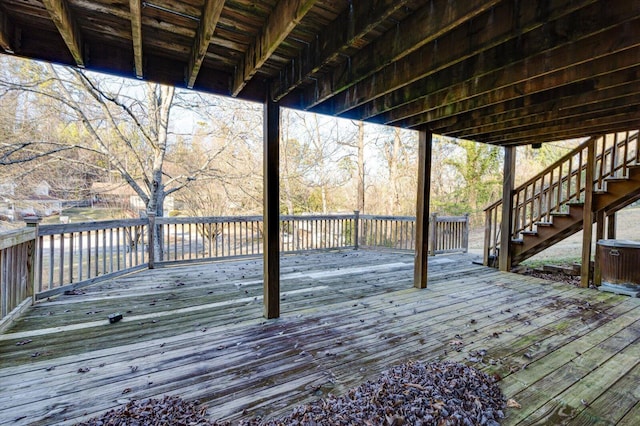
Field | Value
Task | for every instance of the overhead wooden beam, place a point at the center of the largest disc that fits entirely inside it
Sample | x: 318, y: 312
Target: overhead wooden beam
x: 497, y: 68
x: 568, y: 132
x: 346, y: 31
x: 504, y: 257
x: 136, y: 36
x: 283, y: 19
x: 420, y: 28
x: 627, y: 118
x: 529, y: 120
x: 206, y: 28
x: 271, y: 208
x: 420, y: 272
x: 485, y: 31
x: 5, y: 30
x: 67, y: 27
x: 574, y: 63
x: 565, y: 101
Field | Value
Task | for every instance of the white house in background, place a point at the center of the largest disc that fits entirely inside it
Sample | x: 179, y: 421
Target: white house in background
x: 14, y: 204
x: 41, y: 203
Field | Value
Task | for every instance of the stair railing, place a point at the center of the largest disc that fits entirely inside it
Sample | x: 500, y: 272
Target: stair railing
x: 556, y: 187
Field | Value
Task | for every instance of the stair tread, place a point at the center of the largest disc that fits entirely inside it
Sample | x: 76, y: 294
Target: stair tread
x: 614, y: 192
x: 616, y: 179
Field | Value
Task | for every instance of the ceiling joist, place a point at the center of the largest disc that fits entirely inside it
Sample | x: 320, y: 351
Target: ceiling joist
x: 570, y: 128
x: 67, y: 27
x: 344, y: 32
x: 590, y: 110
x: 136, y: 36
x: 494, y: 71
x: 492, y: 29
x: 206, y: 28
x: 423, y: 27
x: 508, y: 87
x: 502, y: 68
x: 601, y: 92
x: 284, y: 18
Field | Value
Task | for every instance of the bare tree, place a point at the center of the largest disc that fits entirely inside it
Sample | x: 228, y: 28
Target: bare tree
x: 125, y: 123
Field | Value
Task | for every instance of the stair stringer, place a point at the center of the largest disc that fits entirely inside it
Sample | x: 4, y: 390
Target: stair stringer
x: 618, y: 194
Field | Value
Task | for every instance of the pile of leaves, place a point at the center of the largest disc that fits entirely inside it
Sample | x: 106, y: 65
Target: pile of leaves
x: 413, y: 393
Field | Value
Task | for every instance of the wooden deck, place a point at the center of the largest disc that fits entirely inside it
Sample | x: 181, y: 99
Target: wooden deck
x: 197, y: 331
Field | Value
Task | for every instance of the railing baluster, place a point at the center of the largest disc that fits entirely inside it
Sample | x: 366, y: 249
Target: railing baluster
x: 625, y: 155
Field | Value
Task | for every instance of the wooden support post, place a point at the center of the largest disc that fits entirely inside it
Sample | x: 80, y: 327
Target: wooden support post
x: 271, y: 215
x: 506, y: 227
x: 32, y: 258
x: 597, y: 271
x: 433, y: 234
x: 151, y: 230
x: 422, y: 208
x: 611, y: 226
x: 587, y: 217
x: 356, y: 229
x: 465, y: 237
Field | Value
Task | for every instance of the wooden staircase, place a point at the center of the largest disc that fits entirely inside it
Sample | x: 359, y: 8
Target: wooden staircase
x: 550, y: 206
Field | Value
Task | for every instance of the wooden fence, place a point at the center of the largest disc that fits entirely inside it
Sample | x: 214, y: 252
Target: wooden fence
x: 40, y: 261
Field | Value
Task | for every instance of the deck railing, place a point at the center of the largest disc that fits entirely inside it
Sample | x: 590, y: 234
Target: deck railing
x: 552, y: 190
x: 85, y: 251
x: 17, y: 254
x: 43, y: 260
x: 447, y: 234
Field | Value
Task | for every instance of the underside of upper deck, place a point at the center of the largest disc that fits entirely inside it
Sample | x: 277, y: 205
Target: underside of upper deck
x: 197, y: 332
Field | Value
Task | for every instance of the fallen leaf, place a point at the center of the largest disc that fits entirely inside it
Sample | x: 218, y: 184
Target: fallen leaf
x: 512, y: 403
x: 415, y: 385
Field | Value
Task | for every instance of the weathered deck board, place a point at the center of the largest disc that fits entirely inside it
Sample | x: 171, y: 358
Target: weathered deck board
x: 197, y: 332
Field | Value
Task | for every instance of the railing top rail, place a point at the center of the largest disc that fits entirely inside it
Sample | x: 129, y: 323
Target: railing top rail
x: 396, y: 218
x: 16, y: 236
x: 317, y: 216
x: 452, y: 218
x: 206, y: 219
x: 64, y: 228
x: 564, y: 158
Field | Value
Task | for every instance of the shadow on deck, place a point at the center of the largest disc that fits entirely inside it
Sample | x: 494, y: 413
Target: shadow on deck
x: 197, y: 331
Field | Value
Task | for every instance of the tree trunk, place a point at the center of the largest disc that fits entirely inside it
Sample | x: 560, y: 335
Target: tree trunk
x: 361, y: 171
x: 393, y: 203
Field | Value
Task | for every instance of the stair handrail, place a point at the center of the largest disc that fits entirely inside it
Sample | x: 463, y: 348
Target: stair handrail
x: 550, y: 197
